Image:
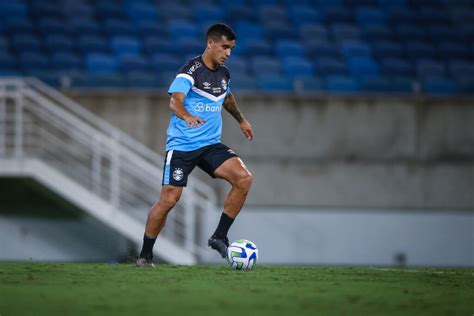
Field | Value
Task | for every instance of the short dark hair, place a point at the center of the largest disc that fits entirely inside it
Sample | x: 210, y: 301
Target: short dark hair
x: 220, y: 29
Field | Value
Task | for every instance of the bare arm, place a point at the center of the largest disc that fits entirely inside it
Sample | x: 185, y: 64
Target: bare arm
x: 176, y: 105
x: 230, y: 104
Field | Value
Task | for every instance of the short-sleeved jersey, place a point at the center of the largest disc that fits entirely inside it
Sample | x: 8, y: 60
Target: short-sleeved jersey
x: 205, y: 90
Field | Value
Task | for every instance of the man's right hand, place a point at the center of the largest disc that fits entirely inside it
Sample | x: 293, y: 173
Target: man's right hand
x: 193, y: 121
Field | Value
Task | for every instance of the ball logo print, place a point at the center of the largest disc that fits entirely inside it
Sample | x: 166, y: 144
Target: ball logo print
x: 200, y: 107
x: 178, y: 174
x: 242, y: 254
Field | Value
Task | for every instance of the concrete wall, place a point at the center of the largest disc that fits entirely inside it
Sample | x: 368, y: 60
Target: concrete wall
x: 383, y: 152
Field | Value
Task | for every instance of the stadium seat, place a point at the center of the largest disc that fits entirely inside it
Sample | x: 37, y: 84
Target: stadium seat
x: 8, y: 61
x: 77, y: 9
x: 384, y: 49
x: 362, y: 67
x: 188, y: 46
x: 66, y: 61
x: 240, y: 12
x: 54, y: 26
x: 335, y: 14
x: 149, y: 28
x: 312, y: 32
x: 316, y: 48
x: 265, y: 65
x: 175, y: 11
x: 92, y: 44
x: 54, y: 43
x: 181, y: 28
x: 352, y: 48
x: 33, y: 61
x: 272, y: 12
x: 297, y: 66
x: 376, y: 33
x: 345, y: 32
x: 330, y: 66
x: 279, y: 30
x: 141, y: 12
x: 396, y: 67
x: 400, y: 15
x: 125, y: 45
x: 19, y: 26
x: 417, y: 49
x: 243, y: 83
x: 237, y: 66
x: 163, y: 62
x: 303, y: 14
x: 142, y: 79
x: 450, y: 49
x: 13, y: 9
x: 341, y: 85
x: 25, y: 42
x: 275, y: 84
x: 392, y: 3
x: 286, y: 48
x: 109, y: 10
x: 413, y: 32
x: 101, y: 63
x: 44, y: 9
x: 256, y: 47
x: 459, y: 68
x: 429, y: 68
x: 118, y: 27
x: 249, y: 30
x: 85, y: 26
x: 401, y: 84
x: 375, y: 84
x: 133, y: 62
x: 305, y: 85
x: 439, y: 86
x: 370, y: 16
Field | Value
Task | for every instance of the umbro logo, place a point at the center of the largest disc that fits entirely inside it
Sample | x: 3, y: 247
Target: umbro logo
x: 207, y: 85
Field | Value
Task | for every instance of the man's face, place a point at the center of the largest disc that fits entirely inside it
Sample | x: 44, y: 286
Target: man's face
x: 220, y: 50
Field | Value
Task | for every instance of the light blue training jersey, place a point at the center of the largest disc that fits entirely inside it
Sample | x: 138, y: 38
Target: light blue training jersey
x: 205, y: 90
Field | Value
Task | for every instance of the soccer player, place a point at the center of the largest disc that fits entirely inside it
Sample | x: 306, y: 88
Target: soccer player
x: 198, y: 93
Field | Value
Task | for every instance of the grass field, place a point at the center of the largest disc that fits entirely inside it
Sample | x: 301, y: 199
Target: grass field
x: 122, y: 289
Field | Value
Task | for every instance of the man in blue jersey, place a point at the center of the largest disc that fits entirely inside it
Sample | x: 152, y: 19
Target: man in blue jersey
x: 198, y: 93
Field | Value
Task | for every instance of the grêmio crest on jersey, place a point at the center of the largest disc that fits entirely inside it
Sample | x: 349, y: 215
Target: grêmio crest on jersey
x: 207, y: 82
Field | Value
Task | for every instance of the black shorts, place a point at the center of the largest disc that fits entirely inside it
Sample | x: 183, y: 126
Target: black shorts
x: 179, y: 164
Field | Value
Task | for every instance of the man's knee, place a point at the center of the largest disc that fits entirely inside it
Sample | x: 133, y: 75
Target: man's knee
x: 169, y: 199
x: 244, y: 180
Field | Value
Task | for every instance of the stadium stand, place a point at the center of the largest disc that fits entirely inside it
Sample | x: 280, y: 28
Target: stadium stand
x: 344, y: 46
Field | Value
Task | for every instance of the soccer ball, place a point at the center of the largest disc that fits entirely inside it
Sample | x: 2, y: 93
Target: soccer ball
x: 242, y: 254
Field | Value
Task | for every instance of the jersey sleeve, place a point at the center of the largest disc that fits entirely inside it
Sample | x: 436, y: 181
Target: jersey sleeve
x: 184, y: 80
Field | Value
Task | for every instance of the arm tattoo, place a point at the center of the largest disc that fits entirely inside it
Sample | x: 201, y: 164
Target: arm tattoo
x: 231, y: 106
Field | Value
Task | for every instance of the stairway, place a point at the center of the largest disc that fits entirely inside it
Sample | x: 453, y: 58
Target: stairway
x: 49, y: 137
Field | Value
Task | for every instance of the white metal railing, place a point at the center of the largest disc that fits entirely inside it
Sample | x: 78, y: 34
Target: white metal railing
x: 39, y: 122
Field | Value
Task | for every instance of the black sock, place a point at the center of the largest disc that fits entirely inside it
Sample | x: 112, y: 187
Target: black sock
x: 223, y: 227
x: 147, y: 249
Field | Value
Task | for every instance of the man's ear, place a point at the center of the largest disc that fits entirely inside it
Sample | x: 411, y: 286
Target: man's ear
x: 209, y: 42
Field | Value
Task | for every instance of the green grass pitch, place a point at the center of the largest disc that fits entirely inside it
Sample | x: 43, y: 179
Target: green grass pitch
x: 122, y: 289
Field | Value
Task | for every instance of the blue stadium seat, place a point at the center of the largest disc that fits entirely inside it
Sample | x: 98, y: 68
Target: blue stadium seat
x: 188, y: 46
x: 163, y: 62
x: 237, y: 66
x: 54, y: 43
x: 129, y: 63
x: 286, y: 48
x: 142, y: 79
x: 249, y: 30
x: 181, y: 28
x: 413, y: 32
x: 85, y: 26
x: 399, y: 15
x: 450, y: 49
x: 279, y: 30
x: 441, y: 32
x: 13, y: 9
x: 302, y: 14
x: 25, y: 42
x: 54, y: 25
x: 430, y: 15
x: 240, y: 12
x: 352, y: 48
x: 370, y: 16
x: 341, y: 85
x: 401, y: 85
x: 396, y: 67
x: 8, y: 61
x: 272, y: 12
x: 77, y: 9
x: 305, y: 85
x: 429, y: 68
x: 116, y: 26
x: 205, y: 12
x: 439, y: 86
x: 33, y: 61
x: 142, y: 12
x: 329, y: 66
x: 345, y: 32
x: 149, y: 28
x: 321, y: 48
x: 262, y: 65
x: 375, y: 84
x: 297, y: 67
x: 327, y: 4
x: 275, y: 85
x: 92, y: 44
x: 416, y: 49
x: 154, y: 44
x: 168, y: 12
x: 44, y: 9
x: 101, y: 63
x: 459, y: 68
x: 313, y: 31
x: 335, y: 14
x: 243, y: 83
x: 466, y: 31
x: 376, y: 33
x: 4, y: 43
x: 110, y: 10
x: 392, y: 3
x: 23, y: 25
x: 66, y: 61
x: 362, y: 67
x: 257, y: 47
x: 383, y: 49
x: 108, y: 80
x: 125, y: 45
